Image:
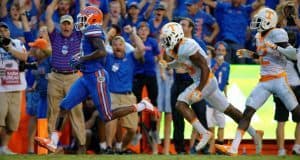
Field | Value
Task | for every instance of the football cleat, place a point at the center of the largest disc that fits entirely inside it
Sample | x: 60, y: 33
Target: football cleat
x: 225, y: 150
x: 46, y: 143
x: 204, y: 140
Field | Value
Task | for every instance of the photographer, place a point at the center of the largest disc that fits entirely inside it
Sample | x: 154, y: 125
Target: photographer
x: 12, y: 82
x: 289, y: 20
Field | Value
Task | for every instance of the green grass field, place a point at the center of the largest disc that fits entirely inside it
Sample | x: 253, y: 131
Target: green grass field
x: 243, y: 79
x: 144, y: 157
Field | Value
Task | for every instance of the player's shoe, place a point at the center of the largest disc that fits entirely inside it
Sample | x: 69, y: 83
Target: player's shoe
x: 46, y: 143
x: 204, y: 140
x: 225, y: 150
x: 6, y: 151
x: 258, y: 141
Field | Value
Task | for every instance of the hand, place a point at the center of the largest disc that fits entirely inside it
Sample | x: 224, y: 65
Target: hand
x: 75, y: 62
x: 195, y: 95
x: 271, y: 45
x: 208, y: 39
x: 128, y: 29
x: 163, y: 64
x: 244, y: 53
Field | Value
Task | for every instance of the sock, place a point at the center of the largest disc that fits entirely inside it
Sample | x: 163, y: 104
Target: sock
x: 140, y: 106
x: 251, y: 131
x: 54, y: 138
x: 119, y: 145
x: 199, y: 127
x: 237, y: 140
x: 102, y: 145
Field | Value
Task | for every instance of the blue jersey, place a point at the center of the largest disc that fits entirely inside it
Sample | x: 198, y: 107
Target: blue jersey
x: 120, y: 71
x: 221, y: 73
x: 91, y: 31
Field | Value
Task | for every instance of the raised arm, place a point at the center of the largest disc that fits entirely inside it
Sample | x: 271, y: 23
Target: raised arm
x: 49, y: 13
x: 3, y: 8
x: 257, y: 4
x: 210, y: 3
x: 137, y: 41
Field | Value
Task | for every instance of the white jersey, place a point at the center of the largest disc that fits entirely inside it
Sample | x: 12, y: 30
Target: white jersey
x: 10, y: 77
x: 187, y: 48
x: 272, y: 61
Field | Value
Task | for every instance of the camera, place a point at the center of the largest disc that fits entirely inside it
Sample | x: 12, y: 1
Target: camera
x: 290, y: 13
x: 4, y: 41
x: 23, y: 65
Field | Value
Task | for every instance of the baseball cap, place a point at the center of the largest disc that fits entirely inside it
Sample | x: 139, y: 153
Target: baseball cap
x: 67, y: 18
x: 133, y: 4
x: 39, y: 43
x: 191, y: 2
x: 142, y: 24
x: 160, y: 7
x: 2, y: 24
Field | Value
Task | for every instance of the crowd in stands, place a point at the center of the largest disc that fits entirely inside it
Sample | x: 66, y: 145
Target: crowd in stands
x: 132, y: 27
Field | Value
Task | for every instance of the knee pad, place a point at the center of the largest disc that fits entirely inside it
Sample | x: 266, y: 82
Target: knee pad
x: 234, y: 113
x: 296, y: 114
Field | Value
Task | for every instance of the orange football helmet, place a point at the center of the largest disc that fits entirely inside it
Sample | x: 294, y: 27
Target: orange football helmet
x: 90, y: 15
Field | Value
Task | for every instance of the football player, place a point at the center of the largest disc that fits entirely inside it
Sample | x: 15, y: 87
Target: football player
x: 94, y: 79
x: 273, y: 50
x: 186, y: 53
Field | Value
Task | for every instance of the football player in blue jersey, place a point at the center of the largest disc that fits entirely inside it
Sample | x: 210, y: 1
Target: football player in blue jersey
x: 90, y: 62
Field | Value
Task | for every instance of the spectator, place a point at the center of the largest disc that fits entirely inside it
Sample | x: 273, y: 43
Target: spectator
x: 221, y: 70
x: 233, y: 30
x: 145, y: 75
x: 60, y: 8
x: 206, y: 27
x: 158, y: 20
x: 115, y: 16
x: 65, y: 44
x: 12, y: 19
x: 120, y: 66
x: 13, y: 55
x: 91, y: 119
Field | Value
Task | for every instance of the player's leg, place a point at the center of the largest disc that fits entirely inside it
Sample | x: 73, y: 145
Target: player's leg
x: 183, y: 106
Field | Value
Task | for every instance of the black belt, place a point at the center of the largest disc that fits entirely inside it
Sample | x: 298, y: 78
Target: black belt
x: 64, y: 72
x: 129, y: 92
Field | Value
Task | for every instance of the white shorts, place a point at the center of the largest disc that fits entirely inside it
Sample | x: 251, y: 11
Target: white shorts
x: 279, y: 87
x: 214, y: 118
x: 210, y: 93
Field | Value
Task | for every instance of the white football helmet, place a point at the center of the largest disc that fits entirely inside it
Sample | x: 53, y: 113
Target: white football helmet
x: 171, y: 34
x: 265, y: 19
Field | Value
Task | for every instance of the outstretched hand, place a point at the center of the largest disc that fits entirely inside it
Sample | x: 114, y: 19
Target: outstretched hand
x: 244, y: 53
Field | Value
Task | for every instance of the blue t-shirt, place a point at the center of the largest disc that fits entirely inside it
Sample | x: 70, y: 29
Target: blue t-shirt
x: 154, y: 31
x: 269, y: 3
x: 221, y: 73
x: 147, y: 67
x: 87, y: 48
x: 203, y: 23
x: 120, y: 71
x: 233, y: 21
